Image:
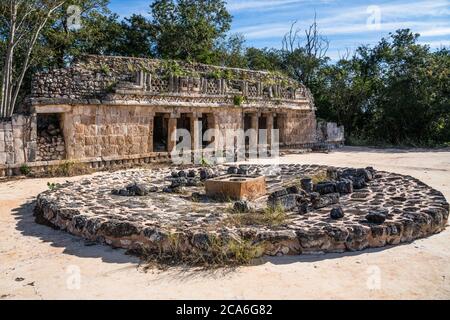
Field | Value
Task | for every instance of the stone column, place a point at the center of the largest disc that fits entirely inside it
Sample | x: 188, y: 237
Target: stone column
x: 151, y: 128
x: 269, y: 125
x: 196, y: 136
x: 254, y: 138
x: 172, y: 134
x: 218, y: 141
x: 281, y: 118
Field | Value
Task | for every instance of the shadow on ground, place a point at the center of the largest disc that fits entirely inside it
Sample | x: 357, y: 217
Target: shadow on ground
x: 60, y: 239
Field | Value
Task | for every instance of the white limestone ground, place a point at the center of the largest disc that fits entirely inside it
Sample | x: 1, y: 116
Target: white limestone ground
x: 46, y: 259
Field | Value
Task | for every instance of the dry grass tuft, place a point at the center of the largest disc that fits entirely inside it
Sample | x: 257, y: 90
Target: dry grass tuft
x: 271, y: 216
x: 320, y: 176
x: 218, y: 253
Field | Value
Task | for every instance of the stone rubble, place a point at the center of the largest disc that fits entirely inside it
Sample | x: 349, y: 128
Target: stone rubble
x: 51, y: 144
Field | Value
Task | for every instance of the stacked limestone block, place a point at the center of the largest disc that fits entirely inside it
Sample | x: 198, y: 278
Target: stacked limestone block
x: 51, y: 144
x: 110, y: 131
x: 17, y: 140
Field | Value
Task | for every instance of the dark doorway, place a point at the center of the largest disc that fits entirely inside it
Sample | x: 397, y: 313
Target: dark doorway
x: 262, y: 122
x: 247, y: 126
x: 207, y: 120
x: 160, y: 132
x: 278, y: 125
x: 184, y: 122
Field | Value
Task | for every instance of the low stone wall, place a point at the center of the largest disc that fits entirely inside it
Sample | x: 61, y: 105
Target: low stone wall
x: 146, y: 210
x: 17, y: 140
x: 57, y: 167
x: 330, y: 133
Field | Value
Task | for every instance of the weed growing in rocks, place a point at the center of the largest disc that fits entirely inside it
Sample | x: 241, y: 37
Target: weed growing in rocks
x: 52, y: 186
x: 69, y: 169
x: 25, y: 170
x: 215, y: 252
x: 320, y: 176
x: 271, y: 216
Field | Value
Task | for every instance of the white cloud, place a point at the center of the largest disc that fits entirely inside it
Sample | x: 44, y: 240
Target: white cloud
x: 347, y: 21
x: 259, y: 4
x: 437, y: 43
x: 435, y: 31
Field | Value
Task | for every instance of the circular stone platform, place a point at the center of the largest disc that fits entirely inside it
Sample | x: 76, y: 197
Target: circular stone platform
x: 102, y: 209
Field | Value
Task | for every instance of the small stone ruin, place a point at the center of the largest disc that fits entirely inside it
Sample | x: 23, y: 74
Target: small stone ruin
x: 326, y: 209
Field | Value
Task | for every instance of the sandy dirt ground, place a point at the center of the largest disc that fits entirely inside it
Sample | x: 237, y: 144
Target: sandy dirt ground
x: 37, y: 262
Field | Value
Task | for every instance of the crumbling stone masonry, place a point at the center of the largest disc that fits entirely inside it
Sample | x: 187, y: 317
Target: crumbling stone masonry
x: 115, y: 109
x: 17, y: 140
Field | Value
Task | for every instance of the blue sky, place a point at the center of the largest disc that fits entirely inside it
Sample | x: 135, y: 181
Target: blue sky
x: 346, y: 24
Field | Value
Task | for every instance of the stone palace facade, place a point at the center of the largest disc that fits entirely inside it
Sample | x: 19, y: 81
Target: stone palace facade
x: 104, y: 110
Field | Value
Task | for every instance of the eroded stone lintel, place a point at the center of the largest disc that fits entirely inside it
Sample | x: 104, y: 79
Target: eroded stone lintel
x: 56, y: 108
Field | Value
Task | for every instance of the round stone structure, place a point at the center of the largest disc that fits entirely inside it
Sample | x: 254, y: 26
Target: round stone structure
x: 344, y: 209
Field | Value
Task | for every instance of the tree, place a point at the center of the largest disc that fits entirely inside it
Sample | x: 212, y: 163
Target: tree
x: 414, y: 91
x: 396, y: 92
x: 136, y: 38
x: 98, y: 33
x: 264, y: 59
x: 189, y: 29
x: 303, y: 57
x: 23, y: 21
x: 231, y: 52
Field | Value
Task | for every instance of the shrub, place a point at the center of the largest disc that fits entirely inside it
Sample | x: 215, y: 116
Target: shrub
x: 25, y: 170
x: 52, y: 186
x: 238, y: 100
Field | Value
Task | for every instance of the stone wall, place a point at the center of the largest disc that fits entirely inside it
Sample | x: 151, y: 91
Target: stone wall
x: 108, y: 131
x: 17, y: 140
x: 94, y: 77
x: 114, y: 131
x: 299, y: 129
x: 330, y: 132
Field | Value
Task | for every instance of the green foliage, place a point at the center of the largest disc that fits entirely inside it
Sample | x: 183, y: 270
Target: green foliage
x: 396, y: 93
x: 173, y: 68
x: 231, y: 52
x: 263, y: 59
x: 204, y: 163
x: 104, y: 68
x: 238, y: 100
x: 111, y: 86
x: 187, y: 29
x: 25, y: 170
x: 52, y: 186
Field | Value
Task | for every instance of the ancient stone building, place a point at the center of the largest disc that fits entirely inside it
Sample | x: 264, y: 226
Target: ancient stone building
x: 106, y: 109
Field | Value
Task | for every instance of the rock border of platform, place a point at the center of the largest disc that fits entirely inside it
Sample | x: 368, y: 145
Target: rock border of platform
x: 328, y: 238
